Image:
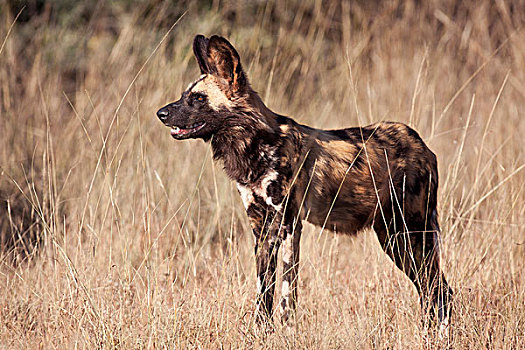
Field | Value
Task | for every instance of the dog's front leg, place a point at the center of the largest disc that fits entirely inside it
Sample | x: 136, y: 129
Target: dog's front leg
x: 266, y: 250
x: 290, y: 256
x: 265, y: 222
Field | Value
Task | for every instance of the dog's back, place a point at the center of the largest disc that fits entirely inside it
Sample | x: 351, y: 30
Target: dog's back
x: 349, y: 171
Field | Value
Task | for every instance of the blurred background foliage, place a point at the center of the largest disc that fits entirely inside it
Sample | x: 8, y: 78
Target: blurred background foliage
x: 468, y: 29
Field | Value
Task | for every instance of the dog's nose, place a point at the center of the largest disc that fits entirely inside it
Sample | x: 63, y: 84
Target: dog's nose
x: 162, y: 114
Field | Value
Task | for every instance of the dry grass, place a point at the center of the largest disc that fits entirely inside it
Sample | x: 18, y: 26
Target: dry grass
x: 142, y: 242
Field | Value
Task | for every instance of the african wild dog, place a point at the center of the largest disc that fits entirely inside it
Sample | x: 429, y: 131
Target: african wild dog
x: 381, y: 176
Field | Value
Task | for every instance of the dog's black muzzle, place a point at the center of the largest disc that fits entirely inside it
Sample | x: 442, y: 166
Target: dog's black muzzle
x: 163, y: 114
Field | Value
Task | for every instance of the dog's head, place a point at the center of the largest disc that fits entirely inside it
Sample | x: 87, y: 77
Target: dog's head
x: 207, y: 102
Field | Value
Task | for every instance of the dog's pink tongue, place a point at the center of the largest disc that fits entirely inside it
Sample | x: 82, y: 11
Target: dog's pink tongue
x: 179, y: 131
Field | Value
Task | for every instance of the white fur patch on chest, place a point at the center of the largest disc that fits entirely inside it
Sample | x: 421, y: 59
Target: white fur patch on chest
x: 246, y: 195
x: 261, y: 190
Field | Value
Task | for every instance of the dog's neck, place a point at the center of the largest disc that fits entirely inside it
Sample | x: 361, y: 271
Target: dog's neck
x: 247, y: 143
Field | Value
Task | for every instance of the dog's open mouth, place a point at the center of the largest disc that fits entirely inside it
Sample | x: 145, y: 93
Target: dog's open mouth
x: 177, y: 131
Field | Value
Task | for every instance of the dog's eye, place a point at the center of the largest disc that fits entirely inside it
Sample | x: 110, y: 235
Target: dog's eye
x: 199, y: 97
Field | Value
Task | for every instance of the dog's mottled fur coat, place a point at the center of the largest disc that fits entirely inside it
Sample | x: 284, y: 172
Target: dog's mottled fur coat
x: 381, y: 176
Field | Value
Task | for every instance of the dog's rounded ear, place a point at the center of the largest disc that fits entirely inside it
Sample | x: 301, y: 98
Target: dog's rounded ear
x: 224, y: 62
x: 200, y: 49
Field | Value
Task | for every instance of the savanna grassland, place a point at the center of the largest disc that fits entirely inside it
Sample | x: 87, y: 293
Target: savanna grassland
x: 113, y: 235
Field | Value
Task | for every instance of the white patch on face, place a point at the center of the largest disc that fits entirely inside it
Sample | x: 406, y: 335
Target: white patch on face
x: 208, y: 85
x: 192, y: 84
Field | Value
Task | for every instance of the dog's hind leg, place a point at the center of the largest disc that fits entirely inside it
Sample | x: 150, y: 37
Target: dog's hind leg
x: 415, y: 251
